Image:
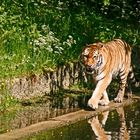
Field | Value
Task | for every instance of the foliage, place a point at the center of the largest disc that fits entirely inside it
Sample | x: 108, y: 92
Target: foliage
x: 6, y: 100
x: 40, y: 33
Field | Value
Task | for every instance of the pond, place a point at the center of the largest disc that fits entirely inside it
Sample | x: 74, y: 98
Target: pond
x: 122, y: 123
x: 43, y: 109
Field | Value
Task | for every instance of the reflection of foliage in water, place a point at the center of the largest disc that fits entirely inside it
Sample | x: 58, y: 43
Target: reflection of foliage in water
x: 32, y: 111
x: 118, y: 122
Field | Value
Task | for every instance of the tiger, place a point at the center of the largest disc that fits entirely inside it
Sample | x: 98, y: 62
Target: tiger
x: 104, y: 61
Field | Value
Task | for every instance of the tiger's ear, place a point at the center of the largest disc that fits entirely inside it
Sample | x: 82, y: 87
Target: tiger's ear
x: 100, y: 45
x: 87, y: 45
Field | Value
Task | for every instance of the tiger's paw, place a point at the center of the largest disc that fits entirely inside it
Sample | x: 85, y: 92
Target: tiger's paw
x: 104, y: 102
x: 118, y: 99
x: 93, y: 103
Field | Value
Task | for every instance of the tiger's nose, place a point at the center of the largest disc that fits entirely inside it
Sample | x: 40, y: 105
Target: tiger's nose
x: 89, y: 67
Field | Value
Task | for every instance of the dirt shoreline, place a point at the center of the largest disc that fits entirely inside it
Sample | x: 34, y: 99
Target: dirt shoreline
x: 63, y: 120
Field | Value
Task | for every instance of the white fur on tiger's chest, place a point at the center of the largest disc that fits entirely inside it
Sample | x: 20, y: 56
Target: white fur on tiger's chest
x: 100, y: 76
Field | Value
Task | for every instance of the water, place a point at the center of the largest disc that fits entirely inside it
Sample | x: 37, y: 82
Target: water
x: 120, y: 124
x: 42, y: 110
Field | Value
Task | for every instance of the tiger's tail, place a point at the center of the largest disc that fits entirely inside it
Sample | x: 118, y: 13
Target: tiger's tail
x: 134, y: 81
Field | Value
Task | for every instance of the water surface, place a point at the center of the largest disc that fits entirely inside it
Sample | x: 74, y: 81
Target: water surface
x: 120, y: 124
x: 46, y: 108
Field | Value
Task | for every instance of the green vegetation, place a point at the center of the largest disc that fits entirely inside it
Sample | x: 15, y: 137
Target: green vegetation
x: 6, y: 100
x: 39, y: 33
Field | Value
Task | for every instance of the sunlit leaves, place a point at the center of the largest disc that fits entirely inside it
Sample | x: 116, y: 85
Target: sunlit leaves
x: 38, y: 33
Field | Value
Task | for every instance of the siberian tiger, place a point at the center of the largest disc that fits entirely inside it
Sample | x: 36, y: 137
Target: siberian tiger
x: 105, y: 61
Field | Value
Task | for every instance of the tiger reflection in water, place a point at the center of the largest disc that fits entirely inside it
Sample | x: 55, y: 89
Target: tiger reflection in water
x: 97, y: 126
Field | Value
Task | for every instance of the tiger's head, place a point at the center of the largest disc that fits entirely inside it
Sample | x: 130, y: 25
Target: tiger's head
x: 91, y: 57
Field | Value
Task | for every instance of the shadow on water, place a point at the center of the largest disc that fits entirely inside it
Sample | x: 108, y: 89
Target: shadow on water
x: 44, y: 109
x: 120, y: 124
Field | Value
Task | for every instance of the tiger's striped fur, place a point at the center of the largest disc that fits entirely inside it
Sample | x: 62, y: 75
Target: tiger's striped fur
x: 105, y: 61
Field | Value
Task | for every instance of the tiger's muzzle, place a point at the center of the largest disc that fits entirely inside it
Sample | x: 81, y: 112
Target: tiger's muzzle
x: 89, y: 69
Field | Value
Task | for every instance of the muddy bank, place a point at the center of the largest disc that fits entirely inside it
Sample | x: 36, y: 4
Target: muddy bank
x: 59, y: 121
x: 46, y: 83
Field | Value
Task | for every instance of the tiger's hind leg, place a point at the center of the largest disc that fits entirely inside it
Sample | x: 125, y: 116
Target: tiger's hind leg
x: 128, y: 90
x: 123, y: 82
x: 131, y: 81
x: 104, y: 100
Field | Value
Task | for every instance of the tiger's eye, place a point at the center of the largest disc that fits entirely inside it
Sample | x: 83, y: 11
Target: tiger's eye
x: 95, y: 56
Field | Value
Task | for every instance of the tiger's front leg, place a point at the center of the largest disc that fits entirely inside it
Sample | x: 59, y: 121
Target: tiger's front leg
x: 98, y: 92
x: 104, y: 100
